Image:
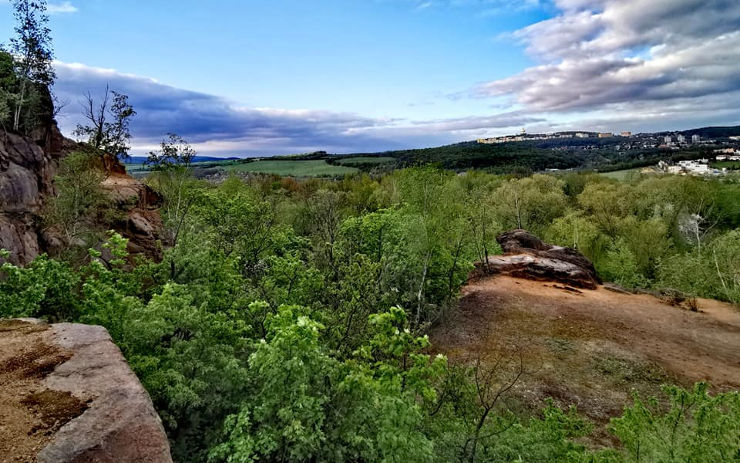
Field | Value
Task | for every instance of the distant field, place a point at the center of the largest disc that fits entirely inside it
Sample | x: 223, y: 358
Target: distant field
x: 365, y: 160
x: 726, y: 164
x: 311, y: 168
x: 620, y: 174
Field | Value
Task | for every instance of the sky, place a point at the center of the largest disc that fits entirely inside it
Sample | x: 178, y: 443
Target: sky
x: 264, y: 77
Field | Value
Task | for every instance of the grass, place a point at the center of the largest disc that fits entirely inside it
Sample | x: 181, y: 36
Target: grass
x: 288, y: 168
x: 731, y: 165
x: 365, y: 160
x: 621, y: 175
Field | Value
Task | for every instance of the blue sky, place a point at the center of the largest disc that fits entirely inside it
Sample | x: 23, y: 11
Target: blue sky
x: 268, y: 77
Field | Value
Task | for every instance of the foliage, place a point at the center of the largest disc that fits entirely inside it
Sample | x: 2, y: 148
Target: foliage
x: 107, y: 127
x: 693, y: 426
x: 32, y: 62
x: 79, y: 200
x: 287, y: 320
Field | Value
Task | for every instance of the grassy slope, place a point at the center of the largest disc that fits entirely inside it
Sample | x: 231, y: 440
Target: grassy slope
x: 298, y: 168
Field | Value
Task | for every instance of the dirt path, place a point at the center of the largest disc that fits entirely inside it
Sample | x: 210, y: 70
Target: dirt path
x: 29, y: 412
x: 590, y: 348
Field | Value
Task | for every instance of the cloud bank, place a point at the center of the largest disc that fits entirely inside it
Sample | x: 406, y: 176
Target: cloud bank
x: 216, y: 125
x: 631, y: 57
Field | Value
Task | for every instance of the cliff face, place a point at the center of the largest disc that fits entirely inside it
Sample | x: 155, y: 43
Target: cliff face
x: 27, y: 169
x: 72, y: 398
x: 26, y: 178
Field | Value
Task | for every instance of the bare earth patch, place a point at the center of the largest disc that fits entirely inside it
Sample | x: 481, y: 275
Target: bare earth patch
x: 30, y: 413
x: 591, y: 348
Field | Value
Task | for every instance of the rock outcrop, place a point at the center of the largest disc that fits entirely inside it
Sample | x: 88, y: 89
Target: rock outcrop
x: 27, y: 169
x: 26, y: 178
x: 141, y: 222
x: 73, y: 390
x: 526, y: 256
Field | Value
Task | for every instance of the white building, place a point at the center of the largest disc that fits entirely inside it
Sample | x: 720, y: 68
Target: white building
x: 695, y: 139
x: 681, y: 139
x: 700, y: 166
x: 668, y: 139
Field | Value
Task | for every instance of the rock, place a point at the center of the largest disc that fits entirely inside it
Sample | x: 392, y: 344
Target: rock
x: 27, y: 169
x: 73, y: 398
x: 526, y: 256
x: 142, y: 223
x: 120, y: 424
x: 26, y: 178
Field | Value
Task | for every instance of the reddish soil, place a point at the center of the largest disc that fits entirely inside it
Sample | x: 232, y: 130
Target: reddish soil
x: 591, y: 348
x: 30, y: 413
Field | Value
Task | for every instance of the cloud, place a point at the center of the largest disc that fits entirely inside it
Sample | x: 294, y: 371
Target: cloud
x: 216, y: 125
x: 59, y: 8
x: 660, y: 56
x: 486, y: 7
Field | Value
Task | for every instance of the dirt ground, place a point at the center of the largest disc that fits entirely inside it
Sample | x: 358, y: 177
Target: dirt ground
x: 30, y: 413
x: 591, y: 348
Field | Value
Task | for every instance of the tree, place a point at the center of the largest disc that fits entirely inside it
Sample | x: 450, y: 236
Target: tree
x: 171, y: 177
x: 108, y: 123
x: 693, y: 426
x: 531, y: 202
x: 33, y: 54
x: 79, y: 197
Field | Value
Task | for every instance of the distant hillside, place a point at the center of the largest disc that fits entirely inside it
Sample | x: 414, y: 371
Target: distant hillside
x: 714, y: 132
x: 603, y: 154
x: 142, y: 159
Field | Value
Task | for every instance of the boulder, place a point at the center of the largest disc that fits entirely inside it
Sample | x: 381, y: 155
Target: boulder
x: 527, y: 256
x: 99, y: 410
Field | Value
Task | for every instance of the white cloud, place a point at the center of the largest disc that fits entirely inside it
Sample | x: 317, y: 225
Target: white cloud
x: 60, y: 8
x: 653, y: 56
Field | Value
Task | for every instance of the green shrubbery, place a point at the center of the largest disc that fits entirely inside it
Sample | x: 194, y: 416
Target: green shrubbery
x: 272, y: 330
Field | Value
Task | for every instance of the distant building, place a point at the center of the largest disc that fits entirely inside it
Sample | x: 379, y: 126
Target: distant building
x: 581, y: 135
x: 605, y: 135
x: 735, y: 138
x: 700, y: 166
x: 681, y: 139
x: 668, y: 139
x: 695, y: 139
x: 626, y: 134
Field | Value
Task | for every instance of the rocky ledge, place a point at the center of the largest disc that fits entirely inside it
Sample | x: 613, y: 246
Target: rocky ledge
x: 72, y: 397
x: 526, y: 256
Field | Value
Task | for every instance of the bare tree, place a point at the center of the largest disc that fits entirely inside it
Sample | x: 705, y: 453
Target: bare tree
x: 492, y: 378
x: 108, y: 122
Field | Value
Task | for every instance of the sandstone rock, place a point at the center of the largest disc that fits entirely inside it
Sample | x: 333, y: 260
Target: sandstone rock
x: 27, y: 169
x: 526, y: 256
x: 120, y: 424
x: 68, y: 396
x: 26, y: 177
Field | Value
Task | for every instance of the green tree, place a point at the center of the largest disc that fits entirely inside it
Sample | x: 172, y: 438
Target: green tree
x: 693, y: 426
x: 33, y: 54
x: 530, y: 203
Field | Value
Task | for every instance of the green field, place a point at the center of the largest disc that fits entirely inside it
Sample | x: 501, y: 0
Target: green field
x: 731, y: 165
x: 621, y: 174
x: 302, y: 168
x: 365, y: 160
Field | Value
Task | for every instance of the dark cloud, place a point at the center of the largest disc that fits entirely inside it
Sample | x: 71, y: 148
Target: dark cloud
x: 216, y: 125
x: 604, y: 54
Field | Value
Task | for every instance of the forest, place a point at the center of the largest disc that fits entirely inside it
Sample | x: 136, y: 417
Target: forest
x: 287, y: 320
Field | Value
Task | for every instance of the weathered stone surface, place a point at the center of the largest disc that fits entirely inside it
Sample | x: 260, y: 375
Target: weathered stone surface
x: 119, y: 424
x: 27, y: 169
x: 26, y: 177
x: 526, y: 256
